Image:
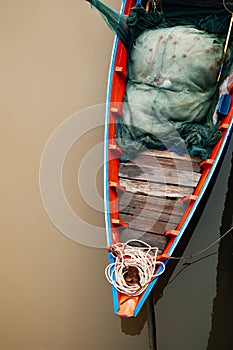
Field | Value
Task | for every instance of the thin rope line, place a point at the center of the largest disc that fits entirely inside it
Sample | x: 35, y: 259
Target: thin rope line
x: 187, y: 264
x: 226, y: 47
x: 204, y: 249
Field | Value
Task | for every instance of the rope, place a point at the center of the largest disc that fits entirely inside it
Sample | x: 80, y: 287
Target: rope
x: 134, y: 267
x: 187, y: 264
x: 204, y: 249
x: 227, y: 42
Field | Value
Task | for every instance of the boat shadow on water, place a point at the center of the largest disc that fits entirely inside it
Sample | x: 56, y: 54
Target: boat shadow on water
x: 220, y: 335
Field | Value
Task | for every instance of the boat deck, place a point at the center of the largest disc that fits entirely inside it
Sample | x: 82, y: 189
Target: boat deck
x: 158, y: 187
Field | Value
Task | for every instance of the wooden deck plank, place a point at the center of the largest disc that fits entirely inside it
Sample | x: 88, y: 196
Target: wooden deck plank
x: 171, y: 163
x: 168, y: 154
x: 155, y: 189
x: 158, y: 175
x: 158, y: 204
x: 154, y: 240
x: 147, y: 224
x: 151, y: 214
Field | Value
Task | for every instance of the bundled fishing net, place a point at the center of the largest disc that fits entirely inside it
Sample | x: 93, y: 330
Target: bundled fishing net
x: 174, y: 59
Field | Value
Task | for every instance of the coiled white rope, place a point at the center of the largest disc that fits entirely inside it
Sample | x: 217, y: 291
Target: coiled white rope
x: 134, y: 267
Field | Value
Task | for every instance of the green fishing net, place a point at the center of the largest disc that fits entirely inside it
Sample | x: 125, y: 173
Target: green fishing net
x: 174, y: 58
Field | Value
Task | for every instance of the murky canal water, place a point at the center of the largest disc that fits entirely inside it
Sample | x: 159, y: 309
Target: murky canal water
x: 54, y: 295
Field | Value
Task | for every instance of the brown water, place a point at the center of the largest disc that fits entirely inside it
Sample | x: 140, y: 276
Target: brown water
x: 53, y: 295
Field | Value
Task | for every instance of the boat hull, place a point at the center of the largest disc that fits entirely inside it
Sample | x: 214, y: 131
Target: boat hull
x: 157, y: 197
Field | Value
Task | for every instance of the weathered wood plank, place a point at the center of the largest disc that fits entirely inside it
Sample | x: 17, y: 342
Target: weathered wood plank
x: 175, y: 219
x: 158, y: 175
x: 158, y: 204
x: 168, y: 154
x: 171, y: 163
x: 154, y: 189
x: 147, y: 224
x: 154, y: 240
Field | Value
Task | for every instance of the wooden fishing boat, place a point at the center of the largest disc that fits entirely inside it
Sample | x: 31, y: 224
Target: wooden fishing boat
x: 156, y: 197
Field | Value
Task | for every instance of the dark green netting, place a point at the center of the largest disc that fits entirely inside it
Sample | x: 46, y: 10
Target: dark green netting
x: 128, y: 28
x: 174, y: 58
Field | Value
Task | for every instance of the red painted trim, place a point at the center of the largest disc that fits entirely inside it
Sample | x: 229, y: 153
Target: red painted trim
x: 116, y: 99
